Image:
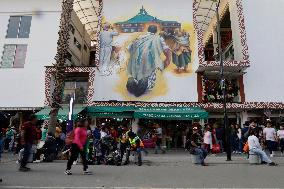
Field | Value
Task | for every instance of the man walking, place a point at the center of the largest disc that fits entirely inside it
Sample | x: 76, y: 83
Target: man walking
x: 28, y: 139
x: 270, y: 138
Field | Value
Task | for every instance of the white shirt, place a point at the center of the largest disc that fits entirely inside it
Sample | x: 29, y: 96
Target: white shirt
x: 280, y: 134
x: 103, y: 134
x: 253, y: 142
x: 239, y: 133
x: 269, y: 133
x: 207, y: 139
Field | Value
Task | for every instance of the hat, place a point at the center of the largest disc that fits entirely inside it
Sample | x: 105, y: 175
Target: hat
x: 194, y: 128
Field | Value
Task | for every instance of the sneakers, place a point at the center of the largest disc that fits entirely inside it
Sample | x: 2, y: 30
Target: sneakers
x: 271, y: 155
x: 24, y: 169
x: 204, y: 164
x: 87, y: 172
x: 68, y: 172
x: 272, y: 164
x: 263, y: 162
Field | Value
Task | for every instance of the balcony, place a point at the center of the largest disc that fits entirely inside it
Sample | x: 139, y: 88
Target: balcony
x: 212, y: 91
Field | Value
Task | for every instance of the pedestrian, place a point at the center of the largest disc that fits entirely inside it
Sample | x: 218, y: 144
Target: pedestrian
x: 123, y: 142
x: 255, y: 147
x: 280, y: 135
x: 159, y: 136
x: 270, y: 137
x: 96, y: 143
x: 196, y: 146
x: 207, y: 139
x: 240, y: 141
x: 77, y: 147
x: 104, y: 138
x: 28, y: 138
x: 43, y: 133
x: 47, y: 152
x: 234, y: 139
x: 9, y: 139
x: 220, y: 136
x: 136, y: 145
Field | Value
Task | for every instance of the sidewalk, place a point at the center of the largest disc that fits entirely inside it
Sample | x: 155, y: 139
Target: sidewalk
x: 171, y: 170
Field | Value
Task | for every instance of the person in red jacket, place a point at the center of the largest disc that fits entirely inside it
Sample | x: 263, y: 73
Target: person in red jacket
x: 77, y: 147
x: 29, y: 137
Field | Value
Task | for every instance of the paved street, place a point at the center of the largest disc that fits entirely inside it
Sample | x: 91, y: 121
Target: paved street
x: 172, y: 170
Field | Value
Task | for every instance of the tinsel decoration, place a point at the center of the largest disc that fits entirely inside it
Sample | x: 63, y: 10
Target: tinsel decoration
x: 59, y: 65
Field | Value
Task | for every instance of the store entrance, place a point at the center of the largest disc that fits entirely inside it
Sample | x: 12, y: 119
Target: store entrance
x: 174, y: 132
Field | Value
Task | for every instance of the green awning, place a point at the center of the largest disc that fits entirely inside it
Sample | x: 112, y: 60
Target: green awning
x: 96, y: 109
x: 171, y: 113
x: 112, y: 114
x: 111, y: 111
x: 168, y: 113
x: 62, y: 114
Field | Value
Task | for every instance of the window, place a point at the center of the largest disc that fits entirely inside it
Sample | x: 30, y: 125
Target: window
x: 77, y: 44
x: 14, y: 56
x: 19, y: 27
x: 72, y: 29
x: 77, y: 89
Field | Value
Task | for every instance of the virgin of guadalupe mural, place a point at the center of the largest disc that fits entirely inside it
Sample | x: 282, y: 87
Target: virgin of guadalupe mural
x: 141, y: 56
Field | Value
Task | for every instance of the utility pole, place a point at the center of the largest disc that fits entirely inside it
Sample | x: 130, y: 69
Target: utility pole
x: 223, y: 87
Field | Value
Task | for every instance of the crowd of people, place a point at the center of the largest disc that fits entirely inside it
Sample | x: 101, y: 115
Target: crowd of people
x: 104, y: 144
x: 256, y: 137
x: 109, y: 144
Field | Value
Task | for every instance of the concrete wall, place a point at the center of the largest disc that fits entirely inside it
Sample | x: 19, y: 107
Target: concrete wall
x: 264, y: 25
x: 79, y: 57
x: 24, y: 87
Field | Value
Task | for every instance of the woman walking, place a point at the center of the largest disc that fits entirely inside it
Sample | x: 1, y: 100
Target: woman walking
x: 207, y: 139
x: 77, y: 147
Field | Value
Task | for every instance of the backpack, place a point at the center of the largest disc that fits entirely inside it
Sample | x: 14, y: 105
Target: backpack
x: 69, y: 138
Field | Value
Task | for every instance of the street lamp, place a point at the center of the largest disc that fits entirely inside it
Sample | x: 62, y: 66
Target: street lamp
x: 223, y: 87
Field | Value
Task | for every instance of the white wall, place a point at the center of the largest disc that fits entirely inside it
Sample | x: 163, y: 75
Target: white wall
x: 238, y: 55
x: 264, y: 25
x: 24, y: 87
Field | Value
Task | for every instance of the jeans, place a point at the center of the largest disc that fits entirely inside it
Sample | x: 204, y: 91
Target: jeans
x: 75, y: 151
x: 282, y: 145
x: 270, y: 145
x: 158, y: 146
x: 27, y: 151
x: 240, y: 145
x: 138, y: 155
x: 202, y: 154
x: 262, y: 155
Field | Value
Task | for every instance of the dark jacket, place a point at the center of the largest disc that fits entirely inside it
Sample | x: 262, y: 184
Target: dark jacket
x: 50, y: 144
x: 29, y: 132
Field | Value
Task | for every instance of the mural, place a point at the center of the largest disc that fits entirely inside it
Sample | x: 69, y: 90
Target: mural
x: 147, y: 51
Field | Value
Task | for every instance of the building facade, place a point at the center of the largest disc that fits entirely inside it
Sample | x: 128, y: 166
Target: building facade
x: 250, y: 38
x: 28, y: 43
